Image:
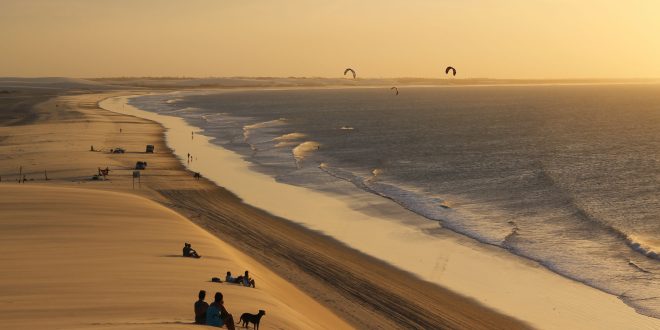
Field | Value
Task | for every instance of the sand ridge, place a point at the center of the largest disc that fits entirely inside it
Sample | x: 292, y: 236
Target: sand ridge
x: 83, y: 258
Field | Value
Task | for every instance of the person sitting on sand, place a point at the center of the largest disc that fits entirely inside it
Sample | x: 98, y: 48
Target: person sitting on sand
x: 246, y: 280
x: 200, y: 308
x: 193, y: 253
x: 217, y: 315
x: 189, y: 252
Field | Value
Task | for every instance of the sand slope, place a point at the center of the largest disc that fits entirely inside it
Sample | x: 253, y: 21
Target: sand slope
x: 76, y: 258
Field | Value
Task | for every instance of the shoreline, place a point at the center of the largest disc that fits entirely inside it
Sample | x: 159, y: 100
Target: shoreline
x: 361, y: 291
x: 502, y: 300
x: 425, y: 304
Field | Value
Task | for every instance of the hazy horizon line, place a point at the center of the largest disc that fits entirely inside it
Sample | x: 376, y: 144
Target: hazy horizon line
x: 329, y: 78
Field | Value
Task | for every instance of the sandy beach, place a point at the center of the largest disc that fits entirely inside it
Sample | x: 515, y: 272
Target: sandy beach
x: 478, y: 165
x: 101, y: 254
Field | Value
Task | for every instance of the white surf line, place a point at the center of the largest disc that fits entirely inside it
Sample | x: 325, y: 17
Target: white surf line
x: 512, y: 285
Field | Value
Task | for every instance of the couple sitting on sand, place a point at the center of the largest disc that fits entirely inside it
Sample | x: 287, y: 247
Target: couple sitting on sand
x: 189, y: 252
x: 245, y: 279
x: 215, y: 314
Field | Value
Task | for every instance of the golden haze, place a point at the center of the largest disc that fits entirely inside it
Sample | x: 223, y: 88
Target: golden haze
x: 380, y: 38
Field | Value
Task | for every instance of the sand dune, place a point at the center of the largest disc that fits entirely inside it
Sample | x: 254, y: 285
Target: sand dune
x: 77, y: 258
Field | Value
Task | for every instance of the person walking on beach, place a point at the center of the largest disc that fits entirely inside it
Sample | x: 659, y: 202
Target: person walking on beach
x: 217, y: 315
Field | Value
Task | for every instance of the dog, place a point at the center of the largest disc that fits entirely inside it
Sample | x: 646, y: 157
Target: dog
x: 248, y: 318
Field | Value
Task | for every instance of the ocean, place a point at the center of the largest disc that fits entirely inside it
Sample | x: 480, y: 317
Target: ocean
x: 566, y: 175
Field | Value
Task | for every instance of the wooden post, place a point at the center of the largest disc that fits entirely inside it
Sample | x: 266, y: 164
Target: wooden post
x: 136, y: 174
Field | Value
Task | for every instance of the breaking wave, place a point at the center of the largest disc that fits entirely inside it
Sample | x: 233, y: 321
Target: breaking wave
x: 248, y: 129
x: 303, y: 149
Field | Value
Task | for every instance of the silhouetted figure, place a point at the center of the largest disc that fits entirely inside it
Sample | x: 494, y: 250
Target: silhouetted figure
x: 217, y: 315
x: 189, y: 252
x: 247, y: 281
x: 200, y: 308
x: 197, y: 176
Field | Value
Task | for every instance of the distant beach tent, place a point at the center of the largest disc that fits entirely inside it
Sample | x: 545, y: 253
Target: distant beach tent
x: 395, y: 89
x: 140, y: 165
x: 450, y: 68
x: 351, y: 71
x: 150, y: 148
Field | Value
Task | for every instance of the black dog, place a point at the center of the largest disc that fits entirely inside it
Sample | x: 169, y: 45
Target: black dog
x: 248, y: 318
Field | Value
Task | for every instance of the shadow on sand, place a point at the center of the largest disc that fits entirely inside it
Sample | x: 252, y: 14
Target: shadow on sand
x: 180, y: 256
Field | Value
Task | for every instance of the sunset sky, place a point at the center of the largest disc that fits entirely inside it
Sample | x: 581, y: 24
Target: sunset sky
x: 379, y: 38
